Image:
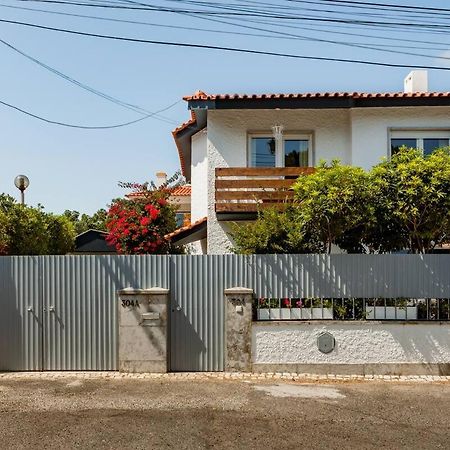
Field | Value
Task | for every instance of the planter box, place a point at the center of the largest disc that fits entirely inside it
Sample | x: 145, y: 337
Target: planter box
x: 391, y: 313
x: 295, y: 314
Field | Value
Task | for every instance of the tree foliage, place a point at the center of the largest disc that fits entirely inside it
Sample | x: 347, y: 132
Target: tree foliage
x: 401, y: 204
x: 274, y: 232
x: 25, y: 230
x: 333, y: 203
x: 85, y: 222
x: 138, y: 226
x: 412, y: 201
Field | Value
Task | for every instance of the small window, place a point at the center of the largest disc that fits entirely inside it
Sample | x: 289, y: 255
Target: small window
x: 291, y: 151
x: 296, y: 152
x: 262, y: 152
x: 426, y: 141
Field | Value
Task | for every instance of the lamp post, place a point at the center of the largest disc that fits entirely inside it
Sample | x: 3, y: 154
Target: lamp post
x: 22, y: 182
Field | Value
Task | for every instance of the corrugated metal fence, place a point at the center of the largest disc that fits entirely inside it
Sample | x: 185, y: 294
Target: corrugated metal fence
x: 59, y: 312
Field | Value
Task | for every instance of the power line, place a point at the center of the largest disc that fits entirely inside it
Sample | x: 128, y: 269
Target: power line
x: 390, y: 5
x: 222, y: 48
x: 272, y: 33
x: 147, y: 7
x: 114, y: 100
x: 85, y: 127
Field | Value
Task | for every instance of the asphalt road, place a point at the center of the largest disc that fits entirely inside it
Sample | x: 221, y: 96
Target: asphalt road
x: 151, y: 414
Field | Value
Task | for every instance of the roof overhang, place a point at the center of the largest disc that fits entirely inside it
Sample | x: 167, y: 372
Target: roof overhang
x: 319, y: 101
x: 190, y: 233
x: 182, y: 136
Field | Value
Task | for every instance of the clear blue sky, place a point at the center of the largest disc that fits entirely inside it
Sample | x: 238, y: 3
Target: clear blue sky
x: 79, y: 169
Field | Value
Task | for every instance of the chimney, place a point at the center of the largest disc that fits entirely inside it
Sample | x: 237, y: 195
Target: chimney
x: 161, y: 178
x: 416, y: 81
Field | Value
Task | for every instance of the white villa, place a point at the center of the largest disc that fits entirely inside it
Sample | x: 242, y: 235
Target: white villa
x: 241, y: 152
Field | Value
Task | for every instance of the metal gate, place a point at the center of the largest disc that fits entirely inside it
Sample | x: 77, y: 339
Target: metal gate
x: 197, y: 309
x: 60, y: 312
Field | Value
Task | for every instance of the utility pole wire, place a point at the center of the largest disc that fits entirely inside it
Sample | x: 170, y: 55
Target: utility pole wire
x: 221, y: 48
x: 85, y: 127
x: 114, y: 100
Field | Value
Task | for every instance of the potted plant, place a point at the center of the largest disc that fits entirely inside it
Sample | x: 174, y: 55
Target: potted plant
x: 391, y: 309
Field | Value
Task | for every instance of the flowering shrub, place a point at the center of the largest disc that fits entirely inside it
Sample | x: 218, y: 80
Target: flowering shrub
x: 138, y: 226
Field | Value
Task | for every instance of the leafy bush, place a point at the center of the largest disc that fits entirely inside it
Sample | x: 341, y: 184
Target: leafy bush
x: 274, y: 232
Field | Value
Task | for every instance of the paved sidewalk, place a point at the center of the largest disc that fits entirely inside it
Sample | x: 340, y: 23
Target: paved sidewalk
x: 303, y: 377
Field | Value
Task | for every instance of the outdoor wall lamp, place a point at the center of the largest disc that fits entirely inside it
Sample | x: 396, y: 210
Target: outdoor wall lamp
x: 22, y: 182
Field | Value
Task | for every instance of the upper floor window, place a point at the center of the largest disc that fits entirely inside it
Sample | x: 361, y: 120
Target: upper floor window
x: 289, y: 151
x: 427, y: 141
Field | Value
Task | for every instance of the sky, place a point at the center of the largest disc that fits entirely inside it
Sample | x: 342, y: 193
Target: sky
x: 79, y: 169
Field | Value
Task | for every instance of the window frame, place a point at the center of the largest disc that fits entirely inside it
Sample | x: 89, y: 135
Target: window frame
x: 419, y: 134
x: 279, y: 152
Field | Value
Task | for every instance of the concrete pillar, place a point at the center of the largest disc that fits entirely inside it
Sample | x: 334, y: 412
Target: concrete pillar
x: 238, y: 326
x: 143, y: 333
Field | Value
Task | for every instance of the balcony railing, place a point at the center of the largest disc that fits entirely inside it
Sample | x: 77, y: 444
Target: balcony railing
x: 249, y: 189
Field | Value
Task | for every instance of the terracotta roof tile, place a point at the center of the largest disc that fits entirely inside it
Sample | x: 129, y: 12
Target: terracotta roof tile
x: 185, y: 228
x: 199, y: 95
x: 179, y: 191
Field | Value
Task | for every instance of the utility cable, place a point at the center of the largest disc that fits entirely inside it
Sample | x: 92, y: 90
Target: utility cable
x: 85, y: 127
x: 222, y: 48
x: 116, y: 101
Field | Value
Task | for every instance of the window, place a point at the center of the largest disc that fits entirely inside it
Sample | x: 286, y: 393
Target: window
x: 427, y: 141
x: 290, y: 151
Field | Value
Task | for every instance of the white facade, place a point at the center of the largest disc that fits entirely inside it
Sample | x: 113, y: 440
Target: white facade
x: 356, y: 136
x: 367, y: 343
x: 199, y: 176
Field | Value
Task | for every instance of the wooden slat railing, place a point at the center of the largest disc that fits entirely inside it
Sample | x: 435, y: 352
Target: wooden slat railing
x: 249, y: 189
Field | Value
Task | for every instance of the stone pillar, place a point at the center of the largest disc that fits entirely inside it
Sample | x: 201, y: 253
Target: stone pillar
x: 238, y: 326
x: 143, y: 329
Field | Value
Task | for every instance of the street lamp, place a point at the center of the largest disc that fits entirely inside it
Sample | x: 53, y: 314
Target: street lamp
x: 22, y: 182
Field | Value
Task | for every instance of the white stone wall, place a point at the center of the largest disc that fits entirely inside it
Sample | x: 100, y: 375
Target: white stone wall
x: 356, y: 343
x: 197, y: 247
x: 370, y: 129
x: 199, y: 176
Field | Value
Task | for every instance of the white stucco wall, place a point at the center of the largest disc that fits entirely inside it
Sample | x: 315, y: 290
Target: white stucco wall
x: 359, y: 137
x: 199, y: 176
x: 197, y: 247
x: 227, y: 147
x: 370, y: 129
x: 356, y: 343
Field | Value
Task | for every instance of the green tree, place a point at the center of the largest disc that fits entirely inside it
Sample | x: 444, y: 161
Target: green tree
x: 274, y: 231
x: 61, y: 235
x: 4, y: 237
x: 412, y: 201
x: 334, y: 204
x: 25, y: 230
x: 85, y: 222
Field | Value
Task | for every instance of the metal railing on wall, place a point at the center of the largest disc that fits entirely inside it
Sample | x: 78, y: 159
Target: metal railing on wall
x: 402, y: 309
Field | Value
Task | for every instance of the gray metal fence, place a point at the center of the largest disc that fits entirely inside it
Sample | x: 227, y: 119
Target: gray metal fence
x: 59, y: 312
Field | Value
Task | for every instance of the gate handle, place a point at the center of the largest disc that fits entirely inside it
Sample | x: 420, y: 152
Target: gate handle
x: 30, y: 309
x: 51, y: 308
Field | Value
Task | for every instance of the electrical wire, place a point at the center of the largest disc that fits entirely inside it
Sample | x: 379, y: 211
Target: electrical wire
x: 223, y: 48
x: 85, y: 127
x: 114, y: 100
x: 273, y: 33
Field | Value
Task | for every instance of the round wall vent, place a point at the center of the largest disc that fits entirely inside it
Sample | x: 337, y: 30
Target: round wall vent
x: 325, y: 342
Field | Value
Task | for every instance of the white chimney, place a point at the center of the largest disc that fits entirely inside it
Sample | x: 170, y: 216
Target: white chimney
x: 161, y: 178
x: 416, y: 81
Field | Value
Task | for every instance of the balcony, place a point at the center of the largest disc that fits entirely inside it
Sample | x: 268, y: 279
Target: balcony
x: 243, y: 191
